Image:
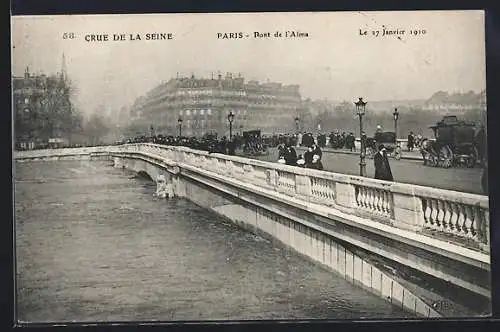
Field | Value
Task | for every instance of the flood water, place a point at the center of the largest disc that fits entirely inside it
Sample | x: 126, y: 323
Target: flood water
x: 93, y: 244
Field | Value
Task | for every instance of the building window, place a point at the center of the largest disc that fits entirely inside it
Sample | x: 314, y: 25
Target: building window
x: 209, y: 111
x: 26, y: 100
x: 188, y: 112
x: 194, y: 112
x: 180, y: 112
x: 188, y: 123
x: 202, y: 111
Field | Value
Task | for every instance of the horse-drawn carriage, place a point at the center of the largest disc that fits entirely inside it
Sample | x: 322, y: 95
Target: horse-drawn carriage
x: 253, y: 143
x: 455, y: 144
x: 388, y: 139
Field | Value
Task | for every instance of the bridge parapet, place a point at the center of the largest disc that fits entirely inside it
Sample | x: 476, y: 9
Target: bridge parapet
x: 460, y: 218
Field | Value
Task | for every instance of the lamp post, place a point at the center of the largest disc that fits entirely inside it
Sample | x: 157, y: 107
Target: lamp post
x: 179, y: 121
x: 230, y: 118
x: 396, y: 117
x: 297, y: 124
x: 360, y: 111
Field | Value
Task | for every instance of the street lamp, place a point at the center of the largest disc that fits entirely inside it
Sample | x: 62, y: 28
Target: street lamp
x: 297, y: 123
x: 230, y: 118
x: 179, y: 121
x: 360, y: 111
x: 396, y: 117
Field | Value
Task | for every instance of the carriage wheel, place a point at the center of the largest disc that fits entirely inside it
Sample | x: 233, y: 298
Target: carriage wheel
x: 446, y: 156
x: 397, y: 153
x: 433, y: 160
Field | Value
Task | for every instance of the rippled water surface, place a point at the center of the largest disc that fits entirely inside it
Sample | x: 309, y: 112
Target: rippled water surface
x: 93, y: 244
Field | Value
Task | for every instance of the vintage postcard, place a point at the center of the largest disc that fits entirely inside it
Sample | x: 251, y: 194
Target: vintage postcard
x: 250, y: 166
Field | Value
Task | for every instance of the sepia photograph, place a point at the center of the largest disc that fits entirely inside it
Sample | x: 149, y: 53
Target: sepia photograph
x: 250, y: 166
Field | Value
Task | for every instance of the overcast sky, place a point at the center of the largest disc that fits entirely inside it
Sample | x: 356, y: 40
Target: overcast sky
x: 334, y: 62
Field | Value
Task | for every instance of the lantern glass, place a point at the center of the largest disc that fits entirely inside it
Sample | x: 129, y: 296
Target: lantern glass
x: 230, y: 117
x: 180, y: 120
x: 360, y: 106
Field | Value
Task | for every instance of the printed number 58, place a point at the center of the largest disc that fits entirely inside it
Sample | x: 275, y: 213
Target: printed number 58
x: 68, y: 35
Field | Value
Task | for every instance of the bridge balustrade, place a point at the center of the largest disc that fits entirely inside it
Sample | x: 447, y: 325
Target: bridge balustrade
x: 460, y: 217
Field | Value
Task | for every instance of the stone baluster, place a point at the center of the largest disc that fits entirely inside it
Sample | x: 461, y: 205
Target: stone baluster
x: 378, y: 201
x: 440, y: 215
x: 373, y: 196
x: 454, y: 229
x: 360, y: 197
x: 484, y: 236
x: 468, y: 224
x: 427, y: 212
x: 477, y: 223
x: 434, y: 212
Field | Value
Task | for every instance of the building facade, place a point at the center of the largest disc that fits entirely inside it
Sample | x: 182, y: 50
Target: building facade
x: 456, y: 102
x: 41, y: 109
x: 203, y: 106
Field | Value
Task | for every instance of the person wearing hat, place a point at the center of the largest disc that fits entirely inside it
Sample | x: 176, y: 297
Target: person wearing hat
x: 382, y: 167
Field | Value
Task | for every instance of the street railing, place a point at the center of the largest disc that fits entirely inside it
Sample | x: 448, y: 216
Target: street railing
x: 460, y: 217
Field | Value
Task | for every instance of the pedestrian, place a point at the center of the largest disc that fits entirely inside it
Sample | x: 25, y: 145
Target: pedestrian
x: 382, y: 167
x: 291, y: 156
x: 317, y: 150
x: 411, y: 141
x: 308, y: 156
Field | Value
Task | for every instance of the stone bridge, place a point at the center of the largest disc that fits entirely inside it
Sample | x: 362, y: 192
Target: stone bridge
x: 424, y: 249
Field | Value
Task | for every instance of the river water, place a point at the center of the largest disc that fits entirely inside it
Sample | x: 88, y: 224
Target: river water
x: 93, y: 244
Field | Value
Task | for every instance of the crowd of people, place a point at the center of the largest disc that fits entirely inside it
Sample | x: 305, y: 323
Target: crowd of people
x: 309, y: 159
x: 208, y: 142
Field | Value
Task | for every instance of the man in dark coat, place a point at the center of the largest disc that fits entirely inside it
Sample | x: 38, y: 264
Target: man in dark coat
x: 317, y: 150
x: 308, y: 156
x: 291, y: 156
x: 411, y: 141
x: 382, y: 167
